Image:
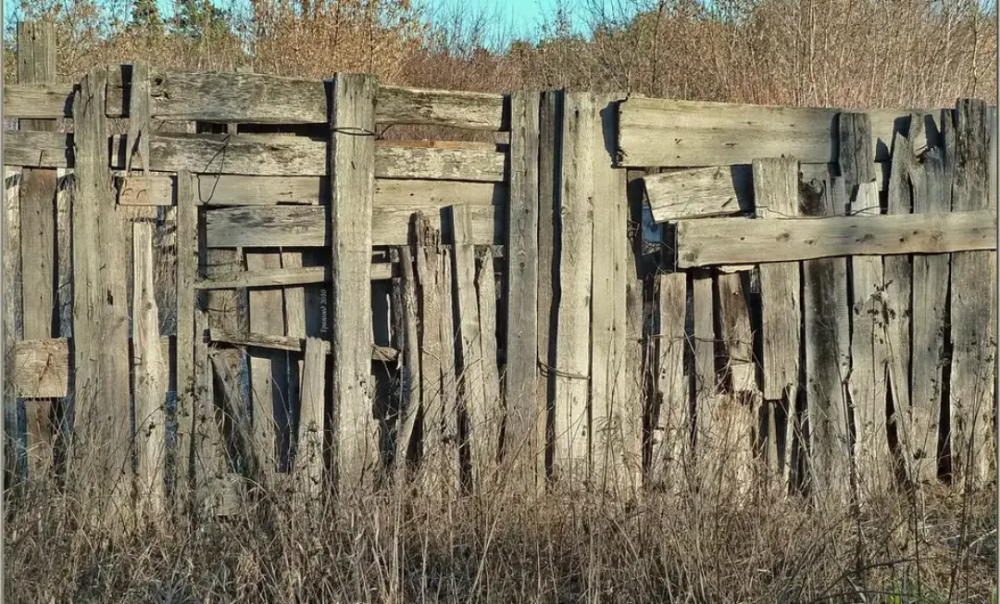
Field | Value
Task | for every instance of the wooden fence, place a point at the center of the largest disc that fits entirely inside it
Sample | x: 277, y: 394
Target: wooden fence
x: 226, y: 279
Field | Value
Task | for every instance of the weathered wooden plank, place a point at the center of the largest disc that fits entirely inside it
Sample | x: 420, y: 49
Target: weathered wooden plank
x: 660, y: 132
x: 736, y: 333
x: 38, y: 149
x: 709, y: 426
x: 867, y: 377
x: 429, y: 309
x: 549, y: 150
x: 472, y: 110
x: 383, y: 354
x: 38, y: 100
x: 100, y: 311
x: 932, y: 192
x: 227, y: 189
x: 40, y: 368
x: 352, y: 170
x: 521, y: 444
x: 137, y: 138
x: 11, y: 245
x: 896, y: 294
x: 486, y: 295
x: 827, y: 357
x: 469, y: 338
x: 451, y: 470
x: 713, y: 241
x: 411, y: 385
x: 697, y: 193
x: 151, y: 376
x: 671, y: 427
x: 309, y: 465
x: 302, y: 226
x: 305, y: 275
x: 973, y: 303
x: 187, y: 274
x: 572, y: 349
x: 282, y: 155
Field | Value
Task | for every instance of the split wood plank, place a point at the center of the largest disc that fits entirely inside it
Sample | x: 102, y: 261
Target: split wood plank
x: 572, y: 348
x: 302, y: 226
x: 309, y: 466
x: 352, y: 170
x: 776, y: 185
x: 187, y: 274
x: 283, y: 155
x: 521, y: 444
x: 698, y: 193
x: 486, y: 295
x: 712, y: 241
x: 211, y: 489
x: 38, y: 149
x: 429, y: 309
x: 671, y: 434
x: 36, y: 57
x: 867, y: 377
x: 897, y: 292
x: 410, y: 379
x: 827, y: 352
x: 471, y: 110
x: 707, y: 402
x: 382, y: 354
x: 973, y: 306
x: 736, y: 333
x: 470, y: 363
x: 151, y: 376
x: 660, y: 132
x: 137, y: 138
x: 295, y: 312
x: 932, y: 195
x: 285, y: 276
x: 100, y: 311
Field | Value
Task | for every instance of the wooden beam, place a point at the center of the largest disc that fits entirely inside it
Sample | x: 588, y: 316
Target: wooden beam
x: 486, y: 299
x: 187, y: 274
x: 714, y: 241
x: 382, y: 354
x: 698, y: 193
x: 38, y: 149
x: 38, y: 100
x: 11, y: 246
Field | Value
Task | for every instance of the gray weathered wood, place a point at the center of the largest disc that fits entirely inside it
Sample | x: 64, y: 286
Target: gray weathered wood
x: 708, y: 402
x: 302, y: 226
x: 469, y: 338
x: 827, y: 357
x: 472, y: 110
x: 351, y: 169
x: 100, y: 311
x: 572, y: 350
x: 521, y: 444
x: 278, y: 155
x: 714, y: 241
x: 40, y: 368
x: 697, y: 193
x: 38, y: 101
x: 11, y: 245
x: 151, y: 376
x: 973, y: 303
x: 38, y: 149
x: 660, y: 132
x: 486, y: 296
x: 139, y: 119
x: 671, y: 442
x: 411, y: 385
x: 736, y: 333
x: 305, y: 275
x: 932, y: 194
x: 309, y: 464
x: 187, y: 274
x: 429, y: 308
x: 289, y: 343
x: 451, y: 469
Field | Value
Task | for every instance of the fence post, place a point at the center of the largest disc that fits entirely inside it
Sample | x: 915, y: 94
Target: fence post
x: 352, y: 190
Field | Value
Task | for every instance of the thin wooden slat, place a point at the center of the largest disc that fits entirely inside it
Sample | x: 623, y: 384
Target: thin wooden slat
x: 11, y: 243
x: 38, y: 149
x: 486, y: 296
x: 660, y: 132
x: 469, y: 338
x: 305, y: 275
x: 973, y: 306
x: 866, y: 380
x: 309, y: 466
x: 40, y: 368
x: 736, y: 333
x: 932, y: 192
x: 151, y: 376
x: 429, y: 307
x: 776, y: 184
x: 714, y: 241
x: 278, y: 155
x: 411, y: 385
x: 572, y: 348
x: 102, y: 395
x: 137, y: 138
x: 671, y: 441
x: 827, y: 358
x: 302, y: 226
x: 709, y: 429
x: 697, y: 193
x: 451, y: 470
x: 472, y: 110
x: 383, y: 354
x: 187, y: 274
x: 352, y: 168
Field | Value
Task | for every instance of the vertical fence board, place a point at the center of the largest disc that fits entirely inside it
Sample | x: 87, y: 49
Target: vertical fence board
x: 776, y: 184
x: 486, y: 292
x: 409, y: 405
x: 430, y: 309
x: 151, y: 377
x: 352, y: 189
x: 671, y: 431
x: 308, y: 465
x: 866, y: 382
x: 187, y: 271
x: 36, y: 54
x: 449, y: 375
x: 100, y: 321
x: 708, y: 416
x: 572, y: 352
x: 11, y: 312
x: 973, y: 295
x: 522, y: 445
x: 827, y: 351
x: 268, y: 370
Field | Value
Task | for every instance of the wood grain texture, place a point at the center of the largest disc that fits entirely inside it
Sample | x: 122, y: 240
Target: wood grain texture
x: 283, y: 155
x: 486, y: 298
x: 572, y: 348
x: 697, y: 193
x: 302, y: 226
x: 411, y: 386
x: 309, y: 467
x: 38, y: 100
x: 11, y: 245
x: 713, y: 241
x: 38, y: 149
x: 670, y: 439
x: 660, y: 132
x: 973, y: 306
x: 304, y: 275
x: 735, y: 332
x: 430, y: 310
x: 827, y: 357
x: 521, y: 445
x: 471, y: 110
x: 151, y: 377
x: 137, y: 138
x: 708, y: 403
x: 187, y: 274
x: 268, y: 373
x: 351, y: 169
x: 100, y: 310
x: 869, y: 363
